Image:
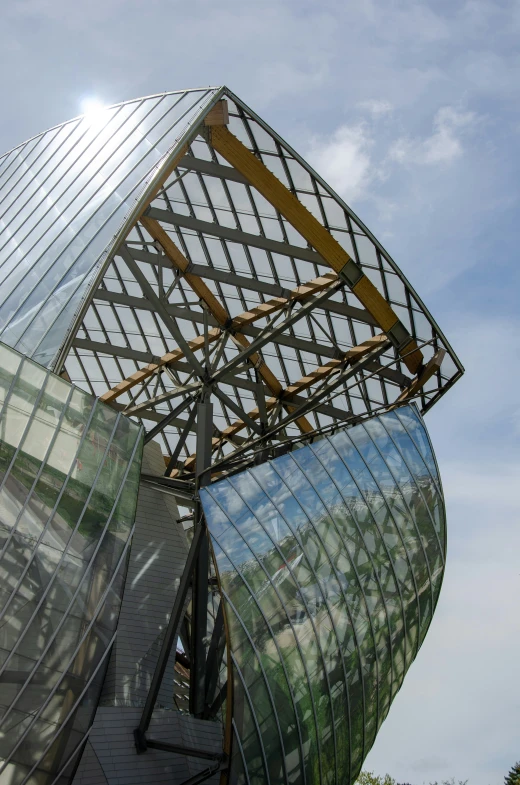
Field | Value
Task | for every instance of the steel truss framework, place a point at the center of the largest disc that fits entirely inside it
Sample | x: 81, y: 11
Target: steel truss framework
x: 246, y: 279
x: 247, y: 309
x: 243, y: 308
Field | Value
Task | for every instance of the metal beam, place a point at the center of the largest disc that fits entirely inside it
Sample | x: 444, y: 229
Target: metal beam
x: 188, y: 314
x: 240, y: 322
x: 180, y: 262
x: 372, y: 347
x: 162, y: 311
x: 212, y: 169
x: 270, y: 332
x: 238, y: 411
x: 165, y: 421
x: 112, y: 350
x: 250, y: 283
x: 199, y: 618
x: 179, y: 749
x: 197, y: 344
x: 311, y: 401
x: 318, y: 237
x: 170, y: 637
x: 391, y: 375
x: 215, y: 652
x: 234, y: 235
x: 205, y: 774
x: 121, y: 298
x: 327, y: 388
x: 172, y: 463
x: 157, y: 400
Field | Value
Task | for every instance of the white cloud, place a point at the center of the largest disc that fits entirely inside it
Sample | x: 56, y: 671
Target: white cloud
x: 343, y: 159
x: 443, y: 145
x: 377, y: 108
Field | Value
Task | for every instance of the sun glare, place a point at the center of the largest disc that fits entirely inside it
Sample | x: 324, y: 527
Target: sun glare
x: 93, y: 111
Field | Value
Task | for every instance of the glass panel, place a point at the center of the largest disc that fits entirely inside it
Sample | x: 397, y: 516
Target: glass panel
x: 88, y: 176
x: 70, y: 473
x: 330, y: 563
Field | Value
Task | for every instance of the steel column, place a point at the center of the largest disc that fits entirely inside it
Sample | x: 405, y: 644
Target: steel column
x: 169, y: 639
x: 199, y: 619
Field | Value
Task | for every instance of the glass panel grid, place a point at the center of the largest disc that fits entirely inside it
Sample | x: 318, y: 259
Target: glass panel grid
x: 330, y: 558
x: 53, y: 246
x: 69, y: 473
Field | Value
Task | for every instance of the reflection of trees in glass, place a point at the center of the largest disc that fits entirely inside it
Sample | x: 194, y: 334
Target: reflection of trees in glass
x: 347, y: 585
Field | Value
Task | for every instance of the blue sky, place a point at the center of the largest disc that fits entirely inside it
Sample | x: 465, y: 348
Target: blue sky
x: 411, y: 111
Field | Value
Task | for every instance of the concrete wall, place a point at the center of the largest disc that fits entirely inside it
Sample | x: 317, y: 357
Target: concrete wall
x: 111, y: 746
x: 157, y: 558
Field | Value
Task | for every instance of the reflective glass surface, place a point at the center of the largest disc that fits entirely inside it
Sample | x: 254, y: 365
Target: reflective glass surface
x: 331, y: 560
x: 63, y: 197
x: 69, y: 473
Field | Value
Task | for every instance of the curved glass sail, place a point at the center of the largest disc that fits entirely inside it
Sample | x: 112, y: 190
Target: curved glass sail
x: 69, y: 474
x: 63, y: 197
x: 331, y: 560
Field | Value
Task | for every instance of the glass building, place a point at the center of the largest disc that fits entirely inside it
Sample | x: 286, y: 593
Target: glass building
x: 222, y: 527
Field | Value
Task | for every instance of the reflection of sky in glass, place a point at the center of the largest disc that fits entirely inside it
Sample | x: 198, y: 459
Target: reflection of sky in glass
x: 332, y: 557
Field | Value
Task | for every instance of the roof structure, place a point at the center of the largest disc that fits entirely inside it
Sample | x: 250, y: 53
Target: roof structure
x: 181, y: 263
x: 174, y: 251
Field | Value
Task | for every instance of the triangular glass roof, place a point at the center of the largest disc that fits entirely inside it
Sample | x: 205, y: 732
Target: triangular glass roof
x: 89, y: 288
x: 64, y: 197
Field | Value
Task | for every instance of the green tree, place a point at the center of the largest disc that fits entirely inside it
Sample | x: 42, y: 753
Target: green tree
x: 450, y: 782
x: 513, y: 778
x: 369, y: 778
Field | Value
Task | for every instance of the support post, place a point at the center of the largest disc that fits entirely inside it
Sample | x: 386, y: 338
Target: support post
x: 169, y: 639
x: 215, y: 652
x: 200, y: 581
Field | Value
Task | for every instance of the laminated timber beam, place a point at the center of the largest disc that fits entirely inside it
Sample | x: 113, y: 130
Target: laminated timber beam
x: 179, y: 261
x: 261, y: 311
x: 253, y: 284
x: 309, y: 404
x: 284, y: 338
x: 349, y: 358
x: 197, y: 344
x: 431, y: 368
x: 390, y: 374
x: 272, y: 189
x: 244, y: 320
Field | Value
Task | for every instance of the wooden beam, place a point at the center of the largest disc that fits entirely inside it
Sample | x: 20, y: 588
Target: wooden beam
x: 179, y: 262
x: 292, y: 390
x: 197, y: 344
x: 301, y: 292
x: 218, y: 114
x: 262, y: 310
x: 246, y: 318
x: 237, y: 154
x: 431, y: 368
